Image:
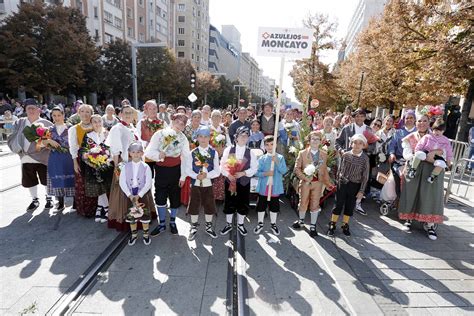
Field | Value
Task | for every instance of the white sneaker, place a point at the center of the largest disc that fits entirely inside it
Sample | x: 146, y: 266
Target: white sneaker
x: 360, y: 210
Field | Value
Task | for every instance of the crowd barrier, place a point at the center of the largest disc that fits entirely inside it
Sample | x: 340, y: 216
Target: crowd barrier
x: 460, y: 181
x: 460, y: 150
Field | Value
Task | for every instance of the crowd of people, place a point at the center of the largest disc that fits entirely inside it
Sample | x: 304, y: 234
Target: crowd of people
x: 201, y: 158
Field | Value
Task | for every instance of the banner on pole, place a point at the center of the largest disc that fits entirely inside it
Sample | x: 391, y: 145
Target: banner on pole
x: 288, y: 42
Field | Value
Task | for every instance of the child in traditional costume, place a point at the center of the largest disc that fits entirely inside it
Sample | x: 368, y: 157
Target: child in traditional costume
x: 136, y: 181
x: 238, y: 165
x: 352, y: 179
x: 202, y: 165
x: 263, y: 173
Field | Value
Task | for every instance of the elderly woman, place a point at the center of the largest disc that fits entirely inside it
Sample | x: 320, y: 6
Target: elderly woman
x: 119, y: 139
x: 109, y: 119
x: 192, y: 127
x: 85, y: 206
x: 169, y: 147
x: 421, y: 200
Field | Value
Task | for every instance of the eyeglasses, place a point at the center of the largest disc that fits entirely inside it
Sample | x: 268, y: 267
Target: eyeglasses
x: 378, y: 125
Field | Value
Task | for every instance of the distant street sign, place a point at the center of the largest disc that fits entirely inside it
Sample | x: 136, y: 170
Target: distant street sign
x: 314, y: 103
x: 192, y: 97
x: 284, y: 42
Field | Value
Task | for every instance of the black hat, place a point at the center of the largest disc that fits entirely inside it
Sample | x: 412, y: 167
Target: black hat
x: 30, y: 101
x: 359, y: 111
x: 242, y: 130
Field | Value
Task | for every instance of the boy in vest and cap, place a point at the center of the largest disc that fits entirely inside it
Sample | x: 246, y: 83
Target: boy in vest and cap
x: 238, y: 165
x: 352, y: 178
x: 263, y: 174
x: 135, y: 182
x: 202, y: 165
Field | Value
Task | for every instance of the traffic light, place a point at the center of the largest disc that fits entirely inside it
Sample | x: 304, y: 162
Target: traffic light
x: 193, y: 79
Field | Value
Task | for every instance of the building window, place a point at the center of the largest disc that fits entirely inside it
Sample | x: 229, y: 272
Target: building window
x: 199, y: 12
x: 181, y: 7
x: 192, y: 45
x: 130, y: 31
x: 197, y: 58
x: 78, y: 5
x: 158, y: 27
x: 116, y: 3
x: 96, y: 36
x: 192, y: 56
x: 180, y: 42
x: 108, y: 17
x: 181, y: 18
x: 181, y: 31
x: 141, y: 37
x: 96, y: 12
x: 108, y: 38
x: 140, y: 20
x: 129, y: 13
x: 181, y: 54
x: 197, y: 46
x: 140, y: 2
x: 118, y: 23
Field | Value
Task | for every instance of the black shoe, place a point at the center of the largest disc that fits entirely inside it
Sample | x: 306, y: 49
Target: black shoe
x: 258, y: 228
x: 407, y: 225
x: 275, y: 229
x: 431, y: 179
x: 104, y: 216
x: 210, y: 231
x: 298, y: 224
x: 332, y: 229
x: 132, y: 240
x: 242, y: 230
x: 158, y: 229
x: 227, y: 228
x: 146, y: 240
x: 411, y: 173
x: 312, y: 231
x: 60, y: 207
x: 432, y: 234
x: 345, y: 229
x: 192, y: 232
x: 33, y: 205
x: 98, y: 214
x: 49, y: 204
x: 173, y: 229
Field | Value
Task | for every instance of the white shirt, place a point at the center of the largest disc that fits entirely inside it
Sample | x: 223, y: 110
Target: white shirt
x: 206, y: 123
x: 210, y: 175
x: 359, y: 129
x: 148, y: 179
x: 120, y: 137
x: 26, y: 145
x: 96, y: 137
x: 239, y: 154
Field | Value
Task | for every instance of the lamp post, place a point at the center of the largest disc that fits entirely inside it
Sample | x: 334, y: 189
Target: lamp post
x: 360, y: 89
x: 238, y: 99
x: 134, y: 47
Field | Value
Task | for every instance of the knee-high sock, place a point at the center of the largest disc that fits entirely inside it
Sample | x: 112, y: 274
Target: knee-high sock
x: 133, y: 228
x: 314, y: 216
x: 208, y: 218
x: 261, y: 216
x: 334, y: 218
x: 240, y: 219
x: 345, y: 219
x: 174, y: 211
x: 302, y: 215
x: 273, y: 217
x: 229, y: 218
x: 103, y: 200
x: 146, y: 227
x: 162, y: 214
x: 34, y: 192
x: 194, y: 219
x: 436, y: 171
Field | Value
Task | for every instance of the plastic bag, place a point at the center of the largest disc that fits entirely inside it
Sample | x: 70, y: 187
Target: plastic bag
x: 388, y: 192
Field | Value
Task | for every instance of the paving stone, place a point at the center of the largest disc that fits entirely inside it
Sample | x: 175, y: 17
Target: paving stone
x: 447, y: 299
x: 414, y: 299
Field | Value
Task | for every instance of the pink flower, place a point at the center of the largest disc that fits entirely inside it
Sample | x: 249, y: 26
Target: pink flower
x: 40, y: 131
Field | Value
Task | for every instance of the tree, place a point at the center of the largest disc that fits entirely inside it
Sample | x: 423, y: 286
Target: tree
x: 45, y: 49
x: 311, y: 77
x: 116, y: 70
x: 154, y: 70
x: 181, y: 86
x: 223, y: 96
x: 205, y: 83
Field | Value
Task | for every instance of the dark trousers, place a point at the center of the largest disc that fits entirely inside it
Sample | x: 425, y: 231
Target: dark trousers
x: 396, y: 176
x: 30, y: 172
x: 167, y: 186
x: 152, y: 166
x: 273, y: 204
x: 237, y: 203
x: 346, y: 198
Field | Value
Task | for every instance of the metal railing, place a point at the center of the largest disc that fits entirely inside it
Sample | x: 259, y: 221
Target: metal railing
x: 460, y: 182
x: 460, y: 150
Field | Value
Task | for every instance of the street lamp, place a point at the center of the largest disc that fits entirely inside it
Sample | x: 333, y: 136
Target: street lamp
x: 134, y: 47
x: 238, y: 99
x: 360, y: 89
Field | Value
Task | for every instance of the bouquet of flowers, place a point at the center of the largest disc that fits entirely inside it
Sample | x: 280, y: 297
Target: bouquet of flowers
x: 98, y: 158
x: 371, y: 137
x: 170, y: 138
x: 232, y: 166
x: 217, y: 139
x: 154, y: 125
x: 202, y: 161
x: 310, y: 171
x: 432, y: 111
x: 331, y: 161
x: 289, y: 131
x: 37, y: 133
